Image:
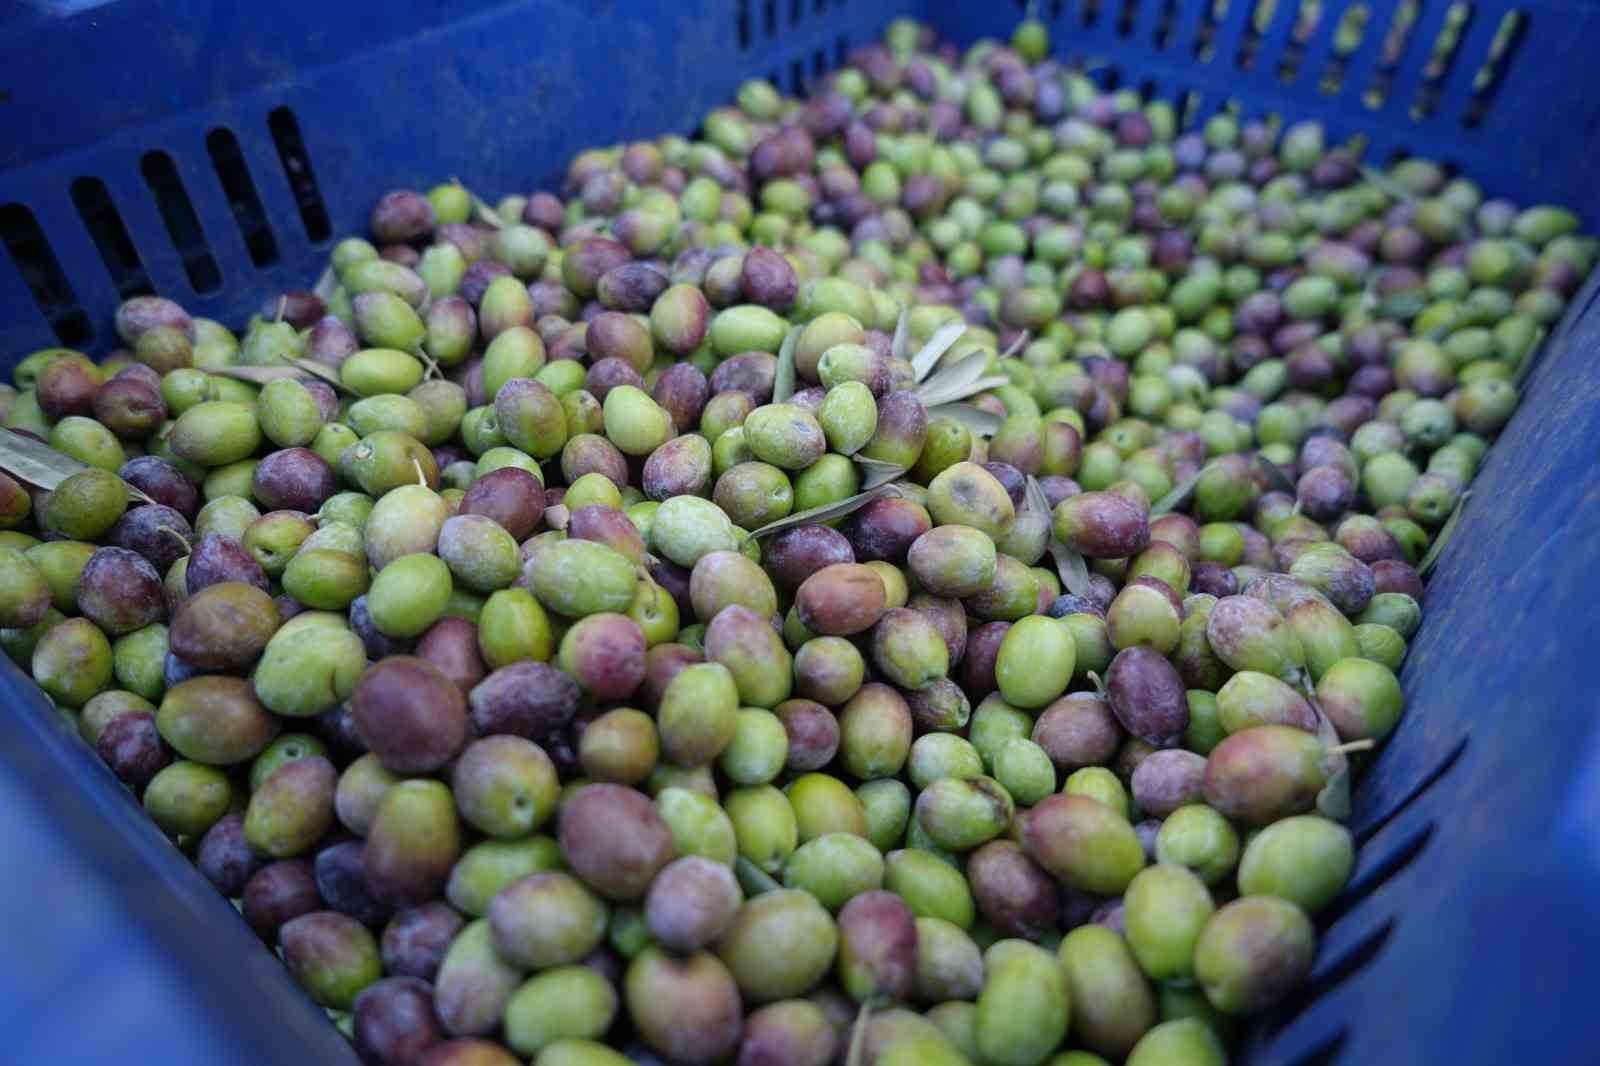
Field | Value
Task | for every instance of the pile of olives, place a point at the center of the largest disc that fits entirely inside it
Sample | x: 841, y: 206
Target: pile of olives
x: 897, y: 579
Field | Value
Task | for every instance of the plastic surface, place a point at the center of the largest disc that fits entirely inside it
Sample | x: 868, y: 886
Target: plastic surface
x: 1466, y: 932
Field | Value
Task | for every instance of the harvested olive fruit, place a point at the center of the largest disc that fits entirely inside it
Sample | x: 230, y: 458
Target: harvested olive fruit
x: 894, y: 577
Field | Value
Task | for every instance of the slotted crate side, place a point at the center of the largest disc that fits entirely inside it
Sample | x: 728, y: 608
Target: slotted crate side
x: 499, y: 95
x: 1470, y: 820
x: 116, y: 943
x: 1515, y: 114
x: 1470, y: 919
x: 130, y: 946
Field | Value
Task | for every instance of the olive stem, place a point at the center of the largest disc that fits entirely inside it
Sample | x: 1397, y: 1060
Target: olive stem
x: 1099, y: 685
x: 858, y: 1036
x: 283, y: 305
x: 433, y: 370
x: 422, y: 479
x: 1366, y: 744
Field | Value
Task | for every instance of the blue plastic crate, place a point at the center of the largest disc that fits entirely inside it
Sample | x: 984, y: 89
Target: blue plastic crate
x: 211, y: 152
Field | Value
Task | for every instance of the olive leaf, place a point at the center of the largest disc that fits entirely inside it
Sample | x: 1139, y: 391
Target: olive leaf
x: 877, y: 472
x: 976, y: 419
x: 960, y: 381
x: 325, y: 285
x: 487, y: 215
x: 1070, y: 565
x: 323, y: 373
x: 296, y: 370
x: 41, y: 465
x: 1275, y: 475
x: 783, y: 378
x: 826, y: 513
x: 753, y: 879
x: 1180, y: 493
x: 902, y: 335
x: 1389, y: 186
x: 258, y: 375
x: 1441, y: 538
x: 1017, y: 345
x: 1033, y: 497
x: 481, y: 210
x: 928, y: 357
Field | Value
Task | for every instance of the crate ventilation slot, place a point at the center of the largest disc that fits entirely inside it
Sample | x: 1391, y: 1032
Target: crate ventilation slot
x: 243, y: 200
x: 1442, y: 57
x: 1166, y: 19
x: 41, y: 273
x: 1303, y: 26
x: 1324, y: 1054
x: 1348, y: 36
x: 1364, y: 833
x: 110, y: 236
x: 1205, y: 33
x: 183, y: 225
x: 302, y: 180
x: 1327, y: 974
x: 1250, y: 34
x: 741, y: 20
x: 1383, y: 867
x: 1503, y: 48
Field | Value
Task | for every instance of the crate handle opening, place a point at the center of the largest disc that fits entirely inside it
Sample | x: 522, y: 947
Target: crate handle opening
x: 161, y: 177
x: 111, y: 238
x: 302, y: 179
x: 42, y: 274
x: 227, y: 159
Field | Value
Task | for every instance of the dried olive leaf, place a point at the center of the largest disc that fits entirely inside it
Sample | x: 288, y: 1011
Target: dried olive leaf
x: 1070, y: 565
x: 39, y: 464
x: 877, y: 472
x: 322, y: 373
x: 984, y: 423
x: 258, y: 375
x: 1033, y: 497
x: 902, y: 335
x: 958, y: 382
x: 928, y: 357
x: 826, y: 513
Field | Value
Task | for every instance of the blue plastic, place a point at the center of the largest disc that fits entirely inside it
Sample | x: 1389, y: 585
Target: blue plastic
x: 1467, y: 930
